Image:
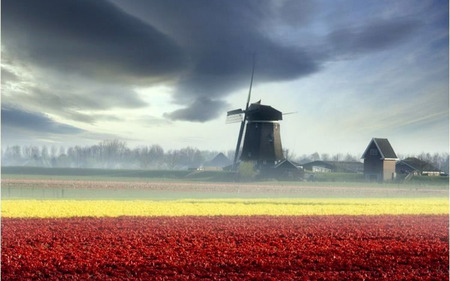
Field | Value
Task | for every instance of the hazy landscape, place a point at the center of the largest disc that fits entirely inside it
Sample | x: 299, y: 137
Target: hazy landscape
x: 224, y: 140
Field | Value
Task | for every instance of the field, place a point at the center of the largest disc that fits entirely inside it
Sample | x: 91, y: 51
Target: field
x: 227, y: 248
x: 116, y: 228
x: 334, y: 179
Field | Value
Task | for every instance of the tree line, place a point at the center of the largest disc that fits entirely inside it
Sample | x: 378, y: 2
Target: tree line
x: 108, y: 154
x: 115, y: 154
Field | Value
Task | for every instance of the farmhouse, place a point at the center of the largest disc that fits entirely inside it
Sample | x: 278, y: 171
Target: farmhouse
x: 379, y: 160
x: 217, y: 163
x: 416, y: 167
x: 284, y: 170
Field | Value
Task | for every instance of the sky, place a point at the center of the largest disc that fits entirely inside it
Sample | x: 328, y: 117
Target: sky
x: 76, y: 72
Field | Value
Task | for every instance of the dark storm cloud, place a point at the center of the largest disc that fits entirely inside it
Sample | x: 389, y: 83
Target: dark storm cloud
x: 201, y: 110
x: 87, y: 37
x: 374, y: 36
x: 221, y: 37
x: 297, y: 13
x: 204, y: 47
x: 20, y: 120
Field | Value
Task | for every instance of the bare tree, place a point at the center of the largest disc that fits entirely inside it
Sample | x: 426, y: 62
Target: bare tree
x: 325, y: 157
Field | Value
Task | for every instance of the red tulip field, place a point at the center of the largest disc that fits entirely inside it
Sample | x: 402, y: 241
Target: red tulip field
x: 383, y: 247
x: 143, y: 230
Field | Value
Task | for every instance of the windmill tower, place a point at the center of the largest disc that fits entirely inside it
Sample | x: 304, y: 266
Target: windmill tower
x: 262, y: 142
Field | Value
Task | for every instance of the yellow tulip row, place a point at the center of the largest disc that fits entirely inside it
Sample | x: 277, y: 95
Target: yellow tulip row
x: 221, y: 207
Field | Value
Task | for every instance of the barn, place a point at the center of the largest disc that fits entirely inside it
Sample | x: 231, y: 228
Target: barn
x: 379, y: 160
x: 416, y: 166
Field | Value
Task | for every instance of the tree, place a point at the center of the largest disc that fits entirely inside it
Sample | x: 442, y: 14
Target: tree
x: 325, y: 157
x: 156, y: 154
x: 315, y: 156
x: 44, y: 153
x: 350, y: 158
x: 230, y: 155
x: 112, y: 152
x: 337, y: 157
x: 172, y: 158
x: 12, y: 155
x: 289, y: 155
x: 247, y: 171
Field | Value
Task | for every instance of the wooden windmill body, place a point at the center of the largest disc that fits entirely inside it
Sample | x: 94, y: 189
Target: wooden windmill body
x: 262, y: 142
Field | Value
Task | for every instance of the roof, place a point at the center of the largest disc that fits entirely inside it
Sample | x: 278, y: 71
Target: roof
x: 259, y: 112
x: 384, y: 147
x: 419, y: 165
x: 219, y: 161
x: 287, y: 164
x: 337, y: 166
x: 324, y: 164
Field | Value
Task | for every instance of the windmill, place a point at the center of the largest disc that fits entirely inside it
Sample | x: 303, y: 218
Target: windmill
x: 262, y: 142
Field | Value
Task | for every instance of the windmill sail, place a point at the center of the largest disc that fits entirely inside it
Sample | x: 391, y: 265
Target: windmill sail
x: 235, y: 116
x: 241, y: 130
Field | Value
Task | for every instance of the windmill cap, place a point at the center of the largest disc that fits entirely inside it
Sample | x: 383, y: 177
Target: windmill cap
x: 257, y: 111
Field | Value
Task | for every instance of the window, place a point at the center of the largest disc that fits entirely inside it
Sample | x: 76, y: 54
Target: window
x: 373, y: 151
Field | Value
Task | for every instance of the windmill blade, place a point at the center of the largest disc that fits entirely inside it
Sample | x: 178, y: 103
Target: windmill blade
x: 236, y: 111
x: 241, y: 130
x: 288, y: 113
x: 235, y: 118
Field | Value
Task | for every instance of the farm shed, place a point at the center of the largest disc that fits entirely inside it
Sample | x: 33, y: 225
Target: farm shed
x: 319, y: 166
x: 217, y: 163
x: 334, y: 166
x: 379, y: 160
x: 416, y: 166
x: 284, y: 170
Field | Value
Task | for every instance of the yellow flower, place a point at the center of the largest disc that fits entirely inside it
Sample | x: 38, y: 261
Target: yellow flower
x: 222, y: 207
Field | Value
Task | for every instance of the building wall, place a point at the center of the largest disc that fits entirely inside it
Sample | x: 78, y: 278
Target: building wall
x: 320, y: 169
x: 388, y: 170
x: 373, y: 165
x: 431, y: 173
x: 262, y: 142
x: 270, y: 149
x: 373, y: 169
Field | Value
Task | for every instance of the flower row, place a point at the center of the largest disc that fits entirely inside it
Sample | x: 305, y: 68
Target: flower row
x: 404, y: 247
x: 217, y: 207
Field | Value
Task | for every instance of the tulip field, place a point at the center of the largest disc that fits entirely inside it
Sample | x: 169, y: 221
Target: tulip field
x: 210, y: 238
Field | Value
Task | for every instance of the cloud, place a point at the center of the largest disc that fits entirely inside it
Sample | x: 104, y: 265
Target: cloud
x: 200, y: 110
x: 91, y: 55
x: 90, y: 38
x: 221, y: 37
x: 22, y: 127
x: 298, y: 13
x: 32, y: 122
x: 77, y: 59
x: 79, y: 99
x: 374, y: 36
x: 8, y: 76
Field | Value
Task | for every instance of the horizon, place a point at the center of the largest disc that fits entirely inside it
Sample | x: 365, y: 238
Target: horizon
x: 57, y: 151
